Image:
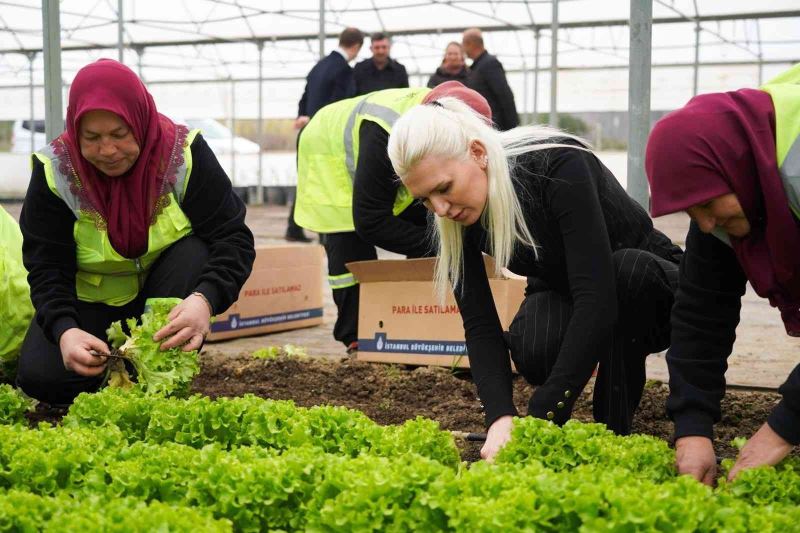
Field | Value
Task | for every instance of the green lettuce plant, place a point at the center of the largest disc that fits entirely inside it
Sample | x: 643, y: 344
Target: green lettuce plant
x: 13, y: 405
x: 167, y: 372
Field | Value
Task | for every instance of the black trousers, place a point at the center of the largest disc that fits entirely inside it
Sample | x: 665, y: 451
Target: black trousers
x: 645, y: 285
x: 292, y: 229
x: 342, y: 248
x: 41, y: 373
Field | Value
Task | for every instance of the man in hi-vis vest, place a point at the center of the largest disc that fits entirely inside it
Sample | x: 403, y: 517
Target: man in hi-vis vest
x: 348, y: 192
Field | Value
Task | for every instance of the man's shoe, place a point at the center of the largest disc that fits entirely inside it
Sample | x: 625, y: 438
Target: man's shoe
x: 296, y: 237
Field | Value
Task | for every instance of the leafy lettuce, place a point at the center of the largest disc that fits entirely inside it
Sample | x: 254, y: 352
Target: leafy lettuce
x: 166, y: 372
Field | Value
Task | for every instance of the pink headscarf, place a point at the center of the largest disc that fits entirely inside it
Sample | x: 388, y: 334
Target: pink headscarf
x: 456, y: 89
x: 722, y: 143
x: 126, y: 204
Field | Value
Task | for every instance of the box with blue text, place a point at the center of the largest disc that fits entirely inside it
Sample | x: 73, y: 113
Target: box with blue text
x: 401, y: 321
x: 284, y: 291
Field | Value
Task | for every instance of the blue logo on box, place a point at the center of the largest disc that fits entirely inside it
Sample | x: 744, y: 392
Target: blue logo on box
x: 381, y: 343
x: 235, y: 322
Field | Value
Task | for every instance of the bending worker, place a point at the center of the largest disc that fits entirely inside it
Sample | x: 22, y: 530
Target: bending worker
x: 348, y: 192
x: 123, y: 206
x: 600, y: 277
x: 732, y: 162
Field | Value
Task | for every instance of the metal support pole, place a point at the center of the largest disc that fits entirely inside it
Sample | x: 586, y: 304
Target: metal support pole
x: 760, y: 69
x: 260, y: 128
x: 536, y: 81
x: 696, y: 57
x: 120, y: 28
x: 641, y: 30
x: 32, y: 127
x: 554, y: 67
x: 51, y: 29
x: 139, y: 54
x: 233, y: 131
x: 321, y: 29
x: 760, y: 54
x: 524, y: 114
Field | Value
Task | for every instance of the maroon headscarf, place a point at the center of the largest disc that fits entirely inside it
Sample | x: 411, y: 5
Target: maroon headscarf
x: 722, y: 143
x: 128, y: 204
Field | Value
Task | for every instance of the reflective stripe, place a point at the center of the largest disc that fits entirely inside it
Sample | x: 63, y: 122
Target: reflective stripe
x: 790, y: 175
x: 384, y: 113
x: 342, y: 281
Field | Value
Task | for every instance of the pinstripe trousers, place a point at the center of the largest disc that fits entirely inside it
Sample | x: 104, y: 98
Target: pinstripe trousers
x: 645, y: 286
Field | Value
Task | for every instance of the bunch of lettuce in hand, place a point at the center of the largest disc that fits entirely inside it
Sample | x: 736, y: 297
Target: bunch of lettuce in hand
x: 166, y: 372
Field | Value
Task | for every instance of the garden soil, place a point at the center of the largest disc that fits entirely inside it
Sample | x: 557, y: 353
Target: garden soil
x: 391, y: 394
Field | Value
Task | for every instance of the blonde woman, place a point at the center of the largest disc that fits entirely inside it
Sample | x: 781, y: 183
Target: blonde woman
x: 600, y: 277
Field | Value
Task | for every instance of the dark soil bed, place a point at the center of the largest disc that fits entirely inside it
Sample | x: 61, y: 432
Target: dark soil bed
x: 391, y: 394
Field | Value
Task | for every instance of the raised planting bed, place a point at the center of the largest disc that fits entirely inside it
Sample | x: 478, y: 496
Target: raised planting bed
x: 275, y: 444
x: 393, y: 394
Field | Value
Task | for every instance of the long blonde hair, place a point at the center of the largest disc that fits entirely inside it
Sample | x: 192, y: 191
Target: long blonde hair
x: 446, y: 130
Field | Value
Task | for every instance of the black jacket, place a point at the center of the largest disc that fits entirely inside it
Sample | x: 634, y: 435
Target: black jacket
x: 704, y: 320
x: 49, y: 253
x: 329, y: 81
x: 441, y: 76
x: 579, y: 215
x: 369, y: 78
x: 374, y: 191
x: 489, y: 79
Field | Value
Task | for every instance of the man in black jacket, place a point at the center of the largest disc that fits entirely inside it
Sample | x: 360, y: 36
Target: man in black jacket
x: 380, y: 71
x: 489, y: 79
x: 329, y: 81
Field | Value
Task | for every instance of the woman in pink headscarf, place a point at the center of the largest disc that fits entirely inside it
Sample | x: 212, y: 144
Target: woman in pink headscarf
x: 123, y: 206
x: 730, y: 160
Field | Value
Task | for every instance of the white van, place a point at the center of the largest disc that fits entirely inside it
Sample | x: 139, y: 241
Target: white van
x: 231, y: 151
x: 21, y: 136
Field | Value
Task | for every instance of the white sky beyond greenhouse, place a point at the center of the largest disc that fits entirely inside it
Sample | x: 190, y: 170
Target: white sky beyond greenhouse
x: 188, y: 51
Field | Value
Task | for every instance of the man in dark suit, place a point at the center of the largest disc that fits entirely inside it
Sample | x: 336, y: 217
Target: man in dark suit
x: 330, y: 80
x: 488, y: 77
x: 380, y: 71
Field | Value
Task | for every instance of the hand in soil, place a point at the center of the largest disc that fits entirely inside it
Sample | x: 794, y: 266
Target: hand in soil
x: 498, y: 435
x: 695, y: 456
x: 764, y: 448
x: 188, y: 325
x: 75, y: 345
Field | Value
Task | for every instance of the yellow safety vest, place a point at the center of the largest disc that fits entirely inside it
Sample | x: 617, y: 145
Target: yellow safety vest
x: 785, y: 92
x: 103, y: 274
x: 328, y: 154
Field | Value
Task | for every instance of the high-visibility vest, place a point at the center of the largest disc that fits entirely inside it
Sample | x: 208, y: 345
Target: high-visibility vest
x: 103, y: 274
x: 785, y: 92
x: 328, y: 154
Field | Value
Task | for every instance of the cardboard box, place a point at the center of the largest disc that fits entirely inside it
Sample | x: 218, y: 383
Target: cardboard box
x: 284, y: 291
x: 401, y: 321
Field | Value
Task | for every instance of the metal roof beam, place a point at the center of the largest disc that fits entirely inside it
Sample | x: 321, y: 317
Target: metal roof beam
x: 423, y: 31
x: 420, y: 73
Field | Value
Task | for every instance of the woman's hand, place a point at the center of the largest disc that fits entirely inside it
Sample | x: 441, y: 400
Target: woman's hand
x: 75, y: 345
x: 189, y: 324
x: 498, y: 435
x: 695, y: 456
x: 764, y: 448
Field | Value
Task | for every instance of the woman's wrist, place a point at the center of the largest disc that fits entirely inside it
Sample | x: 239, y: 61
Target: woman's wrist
x: 203, y: 297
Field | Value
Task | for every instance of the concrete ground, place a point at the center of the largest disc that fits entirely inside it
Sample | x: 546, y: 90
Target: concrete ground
x: 763, y: 354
